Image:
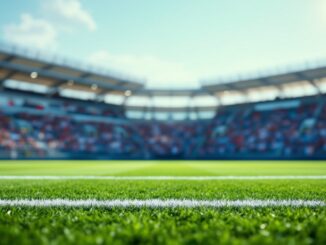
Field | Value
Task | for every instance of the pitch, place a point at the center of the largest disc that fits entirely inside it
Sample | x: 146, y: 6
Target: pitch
x: 93, y: 202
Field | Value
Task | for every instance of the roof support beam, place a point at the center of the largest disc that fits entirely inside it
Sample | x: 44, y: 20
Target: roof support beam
x: 55, y: 88
x: 280, y: 91
x: 125, y: 99
x: 311, y: 81
x: 315, y: 85
x: 216, y: 97
x: 101, y: 95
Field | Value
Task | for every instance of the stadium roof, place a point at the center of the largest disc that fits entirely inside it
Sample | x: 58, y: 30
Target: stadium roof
x: 22, y: 65
x: 308, y: 74
x: 56, y: 74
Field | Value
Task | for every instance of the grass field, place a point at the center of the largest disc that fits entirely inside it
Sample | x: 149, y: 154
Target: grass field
x: 241, y: 213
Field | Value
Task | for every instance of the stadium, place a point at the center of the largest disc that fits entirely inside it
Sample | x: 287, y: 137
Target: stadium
x: 113, y: 118
x: 89, y: 155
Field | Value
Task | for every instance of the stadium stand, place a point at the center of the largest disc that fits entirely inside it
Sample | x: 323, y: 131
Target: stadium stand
x: 293, y: 128
x: 53, y: 110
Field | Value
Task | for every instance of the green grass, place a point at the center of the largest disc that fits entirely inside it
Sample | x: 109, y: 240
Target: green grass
x: 113, y: 189
x: 278, y: 225
x: 155, y: 226
x: 159, y: 168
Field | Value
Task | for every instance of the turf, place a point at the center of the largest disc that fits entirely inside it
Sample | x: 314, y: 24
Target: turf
x: 108, y: 189
x: 162, y: 168
x: 62, y: 225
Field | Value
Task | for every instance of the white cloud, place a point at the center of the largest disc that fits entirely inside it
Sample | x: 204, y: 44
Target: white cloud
x: 70, y: 11
x: 42, y: 32
x: 158, y: 72
x: 32, y: 32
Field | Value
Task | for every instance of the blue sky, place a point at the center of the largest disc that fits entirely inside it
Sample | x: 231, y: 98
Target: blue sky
x: 172, y: 43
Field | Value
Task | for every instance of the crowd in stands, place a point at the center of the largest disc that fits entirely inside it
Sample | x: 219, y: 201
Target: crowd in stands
x: 280, y: 132
x: 299, y: 131
x: 42, y: 134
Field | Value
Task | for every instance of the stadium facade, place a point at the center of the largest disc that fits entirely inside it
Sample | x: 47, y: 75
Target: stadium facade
x: 55, y: 108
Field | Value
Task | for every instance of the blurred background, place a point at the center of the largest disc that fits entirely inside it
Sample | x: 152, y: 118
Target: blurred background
x: 143, y: 80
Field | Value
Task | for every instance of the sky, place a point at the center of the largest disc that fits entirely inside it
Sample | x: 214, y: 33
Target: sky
x: 173, y: 43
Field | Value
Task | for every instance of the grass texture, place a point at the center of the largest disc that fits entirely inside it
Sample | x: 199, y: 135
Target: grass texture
x: 169, y: 225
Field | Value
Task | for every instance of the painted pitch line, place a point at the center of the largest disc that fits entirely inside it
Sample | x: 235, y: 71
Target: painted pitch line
x: 159, y: 203
x: 88, y: 177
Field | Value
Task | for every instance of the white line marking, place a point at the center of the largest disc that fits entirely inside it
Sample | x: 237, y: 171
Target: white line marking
x: 88, y: 177
x: 159, y: 203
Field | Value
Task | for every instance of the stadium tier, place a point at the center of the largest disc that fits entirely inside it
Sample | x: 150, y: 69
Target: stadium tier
x: 51, y: 128
x: 51, y: 109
